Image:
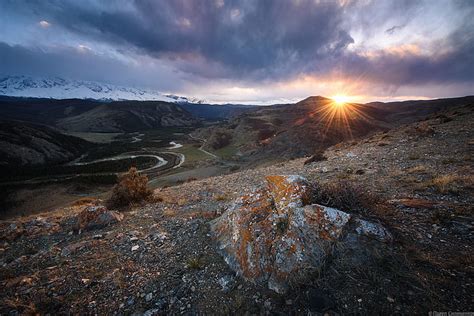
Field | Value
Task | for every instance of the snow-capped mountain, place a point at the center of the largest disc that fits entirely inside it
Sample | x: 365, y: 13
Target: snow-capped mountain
x: 60, y: 88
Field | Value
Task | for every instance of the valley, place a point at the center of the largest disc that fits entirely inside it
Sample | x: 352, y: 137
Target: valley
x: 415, y: 181
x: 87, y: 144
x: 166, y: 157
x: 286, y: 157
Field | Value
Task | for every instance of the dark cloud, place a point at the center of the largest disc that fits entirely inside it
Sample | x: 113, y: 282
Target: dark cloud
x: 258, y: 38
x: 251, y: 41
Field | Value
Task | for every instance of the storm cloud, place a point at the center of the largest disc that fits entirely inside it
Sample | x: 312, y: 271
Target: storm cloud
x: 241, y: 42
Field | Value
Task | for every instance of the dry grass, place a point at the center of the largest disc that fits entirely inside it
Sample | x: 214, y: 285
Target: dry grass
x: 422, y: 129
x: 195, y: 263
x: 417, y: 169
x: 345, y: 196
x: 84, y: 201
x: 450, y: 183
x: 318, y: 156
x: 131, y: 189
x: 221, y: 197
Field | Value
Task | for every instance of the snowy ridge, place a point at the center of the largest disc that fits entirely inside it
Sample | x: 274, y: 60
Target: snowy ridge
x: 60, y: 88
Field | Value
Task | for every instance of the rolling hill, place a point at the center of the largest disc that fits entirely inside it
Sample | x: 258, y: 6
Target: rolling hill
x: 27, y: 144
x: 127, y: 116
x: 280, y: 132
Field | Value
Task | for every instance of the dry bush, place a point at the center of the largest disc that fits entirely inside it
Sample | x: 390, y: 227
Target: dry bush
x: 131, y: 188
x: 344, y: 196
x: 195, y: 263
x: 221, y: 197
x: 383, y: 143
x: 318, y: 156
x: 421, y: 129
x: 219, y: 139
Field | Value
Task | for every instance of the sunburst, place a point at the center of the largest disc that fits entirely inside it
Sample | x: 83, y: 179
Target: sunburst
x: 338, y: 113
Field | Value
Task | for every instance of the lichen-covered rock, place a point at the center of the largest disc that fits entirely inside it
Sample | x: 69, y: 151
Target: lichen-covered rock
x: 372, y: 230
x: 272, y: 236
x: 288, y: 191
x: 93, y: 217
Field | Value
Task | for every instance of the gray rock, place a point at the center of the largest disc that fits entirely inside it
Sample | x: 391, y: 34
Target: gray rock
x: 273, y: 236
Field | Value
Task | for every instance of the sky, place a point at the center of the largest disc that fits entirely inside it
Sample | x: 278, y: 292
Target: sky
x: 248, y: 51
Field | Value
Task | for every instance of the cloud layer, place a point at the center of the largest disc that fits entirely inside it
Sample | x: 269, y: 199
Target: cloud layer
x: 171, y: 45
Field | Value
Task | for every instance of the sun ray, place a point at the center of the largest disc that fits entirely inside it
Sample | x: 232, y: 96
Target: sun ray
x: 338, y: 115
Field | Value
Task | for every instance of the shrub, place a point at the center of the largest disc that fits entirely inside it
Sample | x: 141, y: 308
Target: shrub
x: 195, y: 263
x: 131, y: 188
x: 318, y: 156
x: 344, y: 196
x: 219, y: 139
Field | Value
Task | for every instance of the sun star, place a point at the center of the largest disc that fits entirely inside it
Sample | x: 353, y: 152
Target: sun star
x: 340, y: 99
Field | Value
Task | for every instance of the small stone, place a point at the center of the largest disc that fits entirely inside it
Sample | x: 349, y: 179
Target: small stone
x: 390, y: 299
x: 226, y: 282
x: 93, y: 217
x: 149, y: 297
x: 133, y: 238
x: 135, y: 248
x: 193, y: 288
x: 151, y: 312
x: 98, y: 236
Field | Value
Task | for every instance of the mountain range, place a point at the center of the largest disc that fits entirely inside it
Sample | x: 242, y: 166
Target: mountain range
x: 61, y: 88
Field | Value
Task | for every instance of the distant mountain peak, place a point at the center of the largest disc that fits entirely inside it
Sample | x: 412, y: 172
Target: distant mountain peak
x: 61, y: 88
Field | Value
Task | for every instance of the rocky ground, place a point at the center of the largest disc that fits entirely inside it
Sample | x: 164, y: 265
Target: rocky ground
x: 161, y: 258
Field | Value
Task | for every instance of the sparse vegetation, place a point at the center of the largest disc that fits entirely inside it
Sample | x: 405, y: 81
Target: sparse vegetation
x: 221, y: 197
x: 421, y: 129
x: 219, y: 139
x: 450, y: 183
x: 345, y: 196
x: 318, y: 156
x: 131, y: 188
x: 194, y: 263
x: 417, y: 169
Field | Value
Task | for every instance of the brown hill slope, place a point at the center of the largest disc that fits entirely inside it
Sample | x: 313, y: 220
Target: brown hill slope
x: 418, y: 179
x: 27, y: 144
x: 127, y: 116
x: 277, y: 133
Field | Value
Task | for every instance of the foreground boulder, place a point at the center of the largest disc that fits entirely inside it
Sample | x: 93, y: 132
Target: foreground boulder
x: 93, y: 217
x: 274, y: 236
